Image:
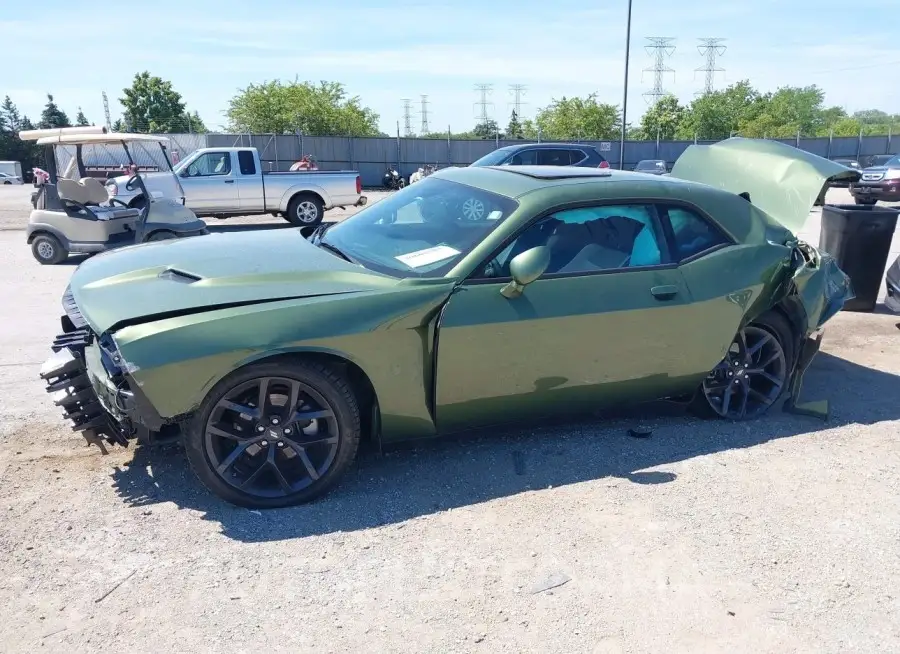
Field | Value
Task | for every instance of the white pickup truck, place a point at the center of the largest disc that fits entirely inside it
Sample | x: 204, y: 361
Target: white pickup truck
x: 224, y: 182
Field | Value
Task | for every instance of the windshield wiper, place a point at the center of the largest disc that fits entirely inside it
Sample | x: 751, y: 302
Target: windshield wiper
x: 335, y: 250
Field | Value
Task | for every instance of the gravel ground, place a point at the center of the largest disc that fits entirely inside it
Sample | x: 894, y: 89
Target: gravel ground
x: 781, y: 535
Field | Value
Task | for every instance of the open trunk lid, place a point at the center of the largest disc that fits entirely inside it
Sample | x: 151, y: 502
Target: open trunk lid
x: 782, y: 180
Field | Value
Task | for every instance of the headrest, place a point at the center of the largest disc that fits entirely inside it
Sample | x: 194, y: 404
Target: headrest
x: 95, y: 190
x: 69, y: 189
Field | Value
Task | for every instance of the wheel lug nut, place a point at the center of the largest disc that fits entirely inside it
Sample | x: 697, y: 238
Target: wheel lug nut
x: 280, y: 444
x: 287, y: 431
x: 275, y: 421
x: 260, y: 429
x: 264, y: 443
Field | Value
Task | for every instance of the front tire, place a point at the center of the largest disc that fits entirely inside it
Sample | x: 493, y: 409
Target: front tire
x: 47, y: 249
x: 754, y: 374
x: 275, y: 434
x: 305, y: 210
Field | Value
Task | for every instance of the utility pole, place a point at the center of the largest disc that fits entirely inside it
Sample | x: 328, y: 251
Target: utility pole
x: 518, y: 91
x: 712, y: 49
x: 659, y: 48
x: 424, y: 112
x: 624, y: 93
x: 407, y: 118
x: 106, y: 112
x: 484, y: 91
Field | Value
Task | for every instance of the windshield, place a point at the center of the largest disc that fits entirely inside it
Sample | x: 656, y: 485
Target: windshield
x: 893, y: 161
x: 492, y: 158
x: 422, y: 231
x: 106, y: 159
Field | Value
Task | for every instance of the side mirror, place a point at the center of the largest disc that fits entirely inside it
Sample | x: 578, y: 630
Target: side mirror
x: 526, y: 268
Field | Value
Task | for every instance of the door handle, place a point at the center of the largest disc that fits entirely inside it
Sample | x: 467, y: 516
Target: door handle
x: 229, y: 181
x: 664, y: 292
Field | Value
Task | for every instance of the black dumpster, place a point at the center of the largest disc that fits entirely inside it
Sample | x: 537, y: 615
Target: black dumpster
x: 859, y: 238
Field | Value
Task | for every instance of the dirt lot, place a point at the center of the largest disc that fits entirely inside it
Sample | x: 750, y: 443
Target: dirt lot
x: 777, y: 536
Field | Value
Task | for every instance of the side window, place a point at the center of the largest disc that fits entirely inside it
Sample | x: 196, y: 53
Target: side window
x: 692, y: 234
x: 210, y: 164
x: 587, y: 240
x: 553, y: 157
x: 523, y: 158
x: 576, y: 157
x: 246, y: 162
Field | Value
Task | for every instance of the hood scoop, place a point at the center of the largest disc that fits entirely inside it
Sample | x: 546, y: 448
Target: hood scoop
x: 175, y: 275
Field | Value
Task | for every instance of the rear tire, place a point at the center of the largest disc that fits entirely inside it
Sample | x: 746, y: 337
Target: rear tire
x: 773, y: 325
x: 47, y: 249
x: 265, y: 455
x: 305, y: 210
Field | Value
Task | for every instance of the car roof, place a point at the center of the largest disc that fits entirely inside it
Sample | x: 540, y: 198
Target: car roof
x: 546, y: 146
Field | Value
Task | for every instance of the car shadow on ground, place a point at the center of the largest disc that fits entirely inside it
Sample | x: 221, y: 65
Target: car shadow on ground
x: 253, y: 227
x: 411, y: 482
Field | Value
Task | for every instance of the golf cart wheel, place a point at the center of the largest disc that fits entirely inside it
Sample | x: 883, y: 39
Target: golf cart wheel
x: 305, y: 209
x: 275, y: 434
x: 754, y: 374
x: 47, y: 249
x: 161, y: 235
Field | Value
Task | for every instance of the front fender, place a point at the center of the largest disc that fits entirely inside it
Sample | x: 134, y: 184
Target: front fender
x: 304, y: 188
x: 177, y: 361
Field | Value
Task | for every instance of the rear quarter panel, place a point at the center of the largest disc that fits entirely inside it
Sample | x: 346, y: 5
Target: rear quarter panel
x: 388, y: 334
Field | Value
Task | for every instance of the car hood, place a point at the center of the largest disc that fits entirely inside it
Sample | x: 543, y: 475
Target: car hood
x: 782, y: 180
x: 146, y: 282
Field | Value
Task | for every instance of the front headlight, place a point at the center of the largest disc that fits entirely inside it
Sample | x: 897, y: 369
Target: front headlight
x: 893, y: 173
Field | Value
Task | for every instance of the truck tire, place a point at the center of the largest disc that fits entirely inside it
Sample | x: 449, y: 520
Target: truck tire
x: 305, y: 209
x: 47, y: 249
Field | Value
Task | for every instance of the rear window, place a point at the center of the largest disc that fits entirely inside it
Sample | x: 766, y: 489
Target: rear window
x: 246, y: 162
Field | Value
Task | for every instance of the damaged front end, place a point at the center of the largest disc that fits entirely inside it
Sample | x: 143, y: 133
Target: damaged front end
x: 88, y: 379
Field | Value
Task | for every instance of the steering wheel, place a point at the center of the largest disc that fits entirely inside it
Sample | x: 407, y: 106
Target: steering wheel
x: 129, y: 185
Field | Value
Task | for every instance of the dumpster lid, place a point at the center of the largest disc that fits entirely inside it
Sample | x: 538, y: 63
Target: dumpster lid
x: 782, y: 180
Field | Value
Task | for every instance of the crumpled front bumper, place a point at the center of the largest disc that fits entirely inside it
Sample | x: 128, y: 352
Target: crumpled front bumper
x: 72, y: 388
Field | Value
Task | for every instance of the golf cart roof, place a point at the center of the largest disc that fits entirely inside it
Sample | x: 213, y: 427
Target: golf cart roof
x: 110, y: 137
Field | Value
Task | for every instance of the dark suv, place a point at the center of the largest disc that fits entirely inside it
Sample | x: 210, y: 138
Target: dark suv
x: 545, y: 154
x: 878, y: 183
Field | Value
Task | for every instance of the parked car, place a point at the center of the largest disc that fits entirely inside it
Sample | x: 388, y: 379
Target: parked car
x: 6, y: 179
x: 224, y: 182
x: 573, y: 289
x: 878, y: 183
x: 651, y: 167
x: 545, y: 154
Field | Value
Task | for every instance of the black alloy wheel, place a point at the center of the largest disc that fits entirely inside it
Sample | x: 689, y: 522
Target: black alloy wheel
x: 275, y: 434
x: 752, y: 376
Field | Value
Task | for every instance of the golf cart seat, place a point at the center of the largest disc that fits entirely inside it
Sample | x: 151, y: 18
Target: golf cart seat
x: 87, y: 196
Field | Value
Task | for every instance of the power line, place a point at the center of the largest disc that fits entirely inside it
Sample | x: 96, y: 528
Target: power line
x: 711, y: 49
x: 106, y: 112
x: 659, y: 47
x: 424, y: 111
x: 407, y: 118
x: 518, y: 90
x: 484, y: 90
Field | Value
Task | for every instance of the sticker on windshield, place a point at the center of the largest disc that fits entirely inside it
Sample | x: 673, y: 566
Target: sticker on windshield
x: 494, y: 215
x: 427, y: 256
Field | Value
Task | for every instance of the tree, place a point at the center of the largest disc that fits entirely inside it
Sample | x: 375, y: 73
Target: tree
x: 321, y: 109
x: 10, y: 120
x: 579, y: 118
x: 153, y: 106
x: 12, y: 148
x: 195, y: 124
x: 718, y: 114
x: 487, y: 130
x: 119, y: 126
x: 52, y: 116
x: 514, y: 129
x: 662, y: 119
x: 80, y: 119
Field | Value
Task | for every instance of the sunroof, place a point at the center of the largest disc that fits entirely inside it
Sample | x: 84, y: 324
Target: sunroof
x: 555, y: 172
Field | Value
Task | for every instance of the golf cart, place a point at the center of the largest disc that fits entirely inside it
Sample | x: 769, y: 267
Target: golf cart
x: 72, y: 211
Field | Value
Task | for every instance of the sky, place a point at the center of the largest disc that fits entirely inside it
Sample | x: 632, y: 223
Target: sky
x: 384, y: 52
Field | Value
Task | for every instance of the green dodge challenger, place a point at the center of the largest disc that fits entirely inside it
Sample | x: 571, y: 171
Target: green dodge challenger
x: 478, y: 296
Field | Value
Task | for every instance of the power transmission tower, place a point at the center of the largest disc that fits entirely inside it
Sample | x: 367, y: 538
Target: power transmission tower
x: 711, y: 49
x: 407, y: 117
x: 106, y: 112
x: 424, y: 112
x: 485, y: 90
x: 659, y: 47
x: 518, y: 90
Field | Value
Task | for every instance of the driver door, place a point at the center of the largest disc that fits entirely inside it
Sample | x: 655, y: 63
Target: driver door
x: 209, y: 183
x: 601, y: 326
